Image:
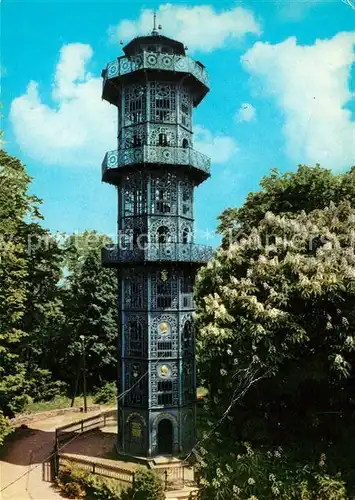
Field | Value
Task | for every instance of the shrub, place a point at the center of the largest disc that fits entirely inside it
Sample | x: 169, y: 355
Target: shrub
x: 73, y: 490
x: 72, y: 480
x: 5, y: 428
x: 106, y: 394
x: 43, y: 388
x: 147, y: 486
x: 267, y: 475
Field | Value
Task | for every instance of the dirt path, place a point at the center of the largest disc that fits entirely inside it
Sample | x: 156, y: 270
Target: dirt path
x: 24, y: 457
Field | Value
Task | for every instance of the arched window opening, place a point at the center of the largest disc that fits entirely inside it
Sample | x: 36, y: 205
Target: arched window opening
x: 137, y: 141
x: 161, y: 201
x: 186, y: 200
x: 133, y: 296
x: 163, y: 140
x: 135, y: 338
x: 185, y: 143
x: 186, y: 291
x: 185, y: 115
x: 163, y: 235
x: 187, y: 336
x: 188, y: 382
x: 186, y: 236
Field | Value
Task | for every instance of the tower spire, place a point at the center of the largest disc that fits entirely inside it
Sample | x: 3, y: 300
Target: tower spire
x: 155, y: 31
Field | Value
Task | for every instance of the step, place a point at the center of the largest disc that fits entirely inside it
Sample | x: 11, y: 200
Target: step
x: 166, y: 460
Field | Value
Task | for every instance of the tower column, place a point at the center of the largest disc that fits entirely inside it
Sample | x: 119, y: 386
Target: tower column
x: 155, y: 169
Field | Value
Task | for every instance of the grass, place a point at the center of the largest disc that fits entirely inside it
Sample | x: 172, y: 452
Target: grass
x: 56, y: 403
x: 60, y: 402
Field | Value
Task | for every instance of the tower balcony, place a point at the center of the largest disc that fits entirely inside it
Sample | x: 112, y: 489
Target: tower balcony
x: 156, y: 252
x: 116, y: 160
x: 173, y: 63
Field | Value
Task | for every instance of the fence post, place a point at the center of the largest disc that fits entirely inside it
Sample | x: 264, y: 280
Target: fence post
x: 166, y: 479
x: 82, y: 426
x: 104, y: 419
x: 93, y: 468
x: 183, y: 475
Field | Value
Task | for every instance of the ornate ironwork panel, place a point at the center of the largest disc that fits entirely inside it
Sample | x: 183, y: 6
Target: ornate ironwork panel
x: 148, y: 60
x: 164, y: 155
x: 155, y: 252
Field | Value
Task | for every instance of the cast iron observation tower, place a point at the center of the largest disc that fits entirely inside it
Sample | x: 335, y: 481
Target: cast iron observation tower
x: 155, y: 169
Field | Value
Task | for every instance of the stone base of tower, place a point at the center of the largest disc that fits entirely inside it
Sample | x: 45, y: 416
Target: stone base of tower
x: 156, y: 432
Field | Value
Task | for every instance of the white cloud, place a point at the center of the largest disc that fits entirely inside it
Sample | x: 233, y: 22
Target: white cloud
x: 200, y: 27
x: 79, y: 128
x: 220, y: 148
x: 310, y: 84
x: 245, y: 113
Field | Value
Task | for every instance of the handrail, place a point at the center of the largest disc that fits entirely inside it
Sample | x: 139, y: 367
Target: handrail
x: 168, y: 155
x: 152, y: 60
x: 181, y: 252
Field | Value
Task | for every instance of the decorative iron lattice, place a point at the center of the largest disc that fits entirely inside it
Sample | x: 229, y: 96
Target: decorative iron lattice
x: 164, y: 136
x: 164, y: 195
x: 135, y: 288
x: 155, y: 226
x: 164, y: 292
x: 163, y: 231
x: 162, y: 102
x: 156, y: 155
x: 164, y: 337
x: 134, y: 104
x: 134, y: 194
x: 187, y: 333
x: 165, y: 372
x: 134, y: 369
x: 148, y: 60
x: 155, y: 252
x: 188, y: 385
x: 133, y: 137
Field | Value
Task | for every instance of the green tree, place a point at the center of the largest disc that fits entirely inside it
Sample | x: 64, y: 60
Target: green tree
x: 15, y: 205
x: 90, y: 309
x: 43, y: 318
x: 289, y: 193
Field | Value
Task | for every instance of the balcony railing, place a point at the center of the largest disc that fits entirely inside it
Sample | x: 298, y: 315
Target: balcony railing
x: 156, y: 154
x: 151, y: 60
x: 153, y: 252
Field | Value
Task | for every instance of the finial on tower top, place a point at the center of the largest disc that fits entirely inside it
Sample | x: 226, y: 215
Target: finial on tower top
x: 155, y: 31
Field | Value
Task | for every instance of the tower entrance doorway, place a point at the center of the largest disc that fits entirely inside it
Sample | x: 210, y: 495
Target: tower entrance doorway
x: 165, y: 437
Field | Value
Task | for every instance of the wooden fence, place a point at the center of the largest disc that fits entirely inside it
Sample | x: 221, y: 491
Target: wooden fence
x: 67, y: 432
x: 173, y: 477
x: 102, y: 469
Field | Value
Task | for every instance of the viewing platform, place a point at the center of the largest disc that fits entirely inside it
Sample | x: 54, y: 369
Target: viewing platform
x: 155, y: 155
x: 172, y: 63
x: 157, y: 252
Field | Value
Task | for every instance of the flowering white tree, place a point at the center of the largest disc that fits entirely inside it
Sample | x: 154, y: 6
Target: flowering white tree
x: 281, y: 300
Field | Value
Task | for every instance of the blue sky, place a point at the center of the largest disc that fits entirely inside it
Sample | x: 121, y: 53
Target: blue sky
x: 282, y: 84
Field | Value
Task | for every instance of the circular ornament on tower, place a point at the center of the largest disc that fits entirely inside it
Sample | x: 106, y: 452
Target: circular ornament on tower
x: 152, y: 60
x: 164, y: 371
